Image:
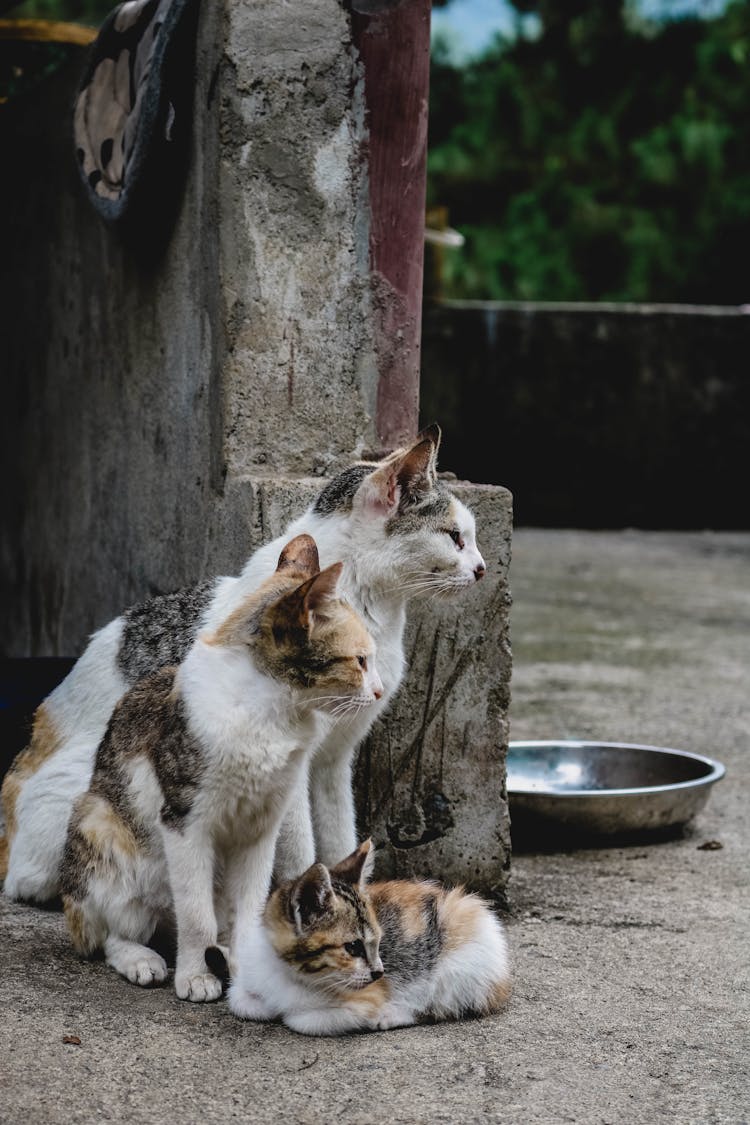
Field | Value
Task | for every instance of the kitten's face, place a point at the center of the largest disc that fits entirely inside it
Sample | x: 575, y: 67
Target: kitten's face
x: 324, y: 928
x: 414, y: 535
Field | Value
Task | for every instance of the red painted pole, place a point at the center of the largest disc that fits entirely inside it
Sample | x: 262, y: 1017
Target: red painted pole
x: 393, y: 40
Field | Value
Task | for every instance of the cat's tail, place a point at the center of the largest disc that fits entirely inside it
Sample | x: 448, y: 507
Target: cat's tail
x: 475, y: 973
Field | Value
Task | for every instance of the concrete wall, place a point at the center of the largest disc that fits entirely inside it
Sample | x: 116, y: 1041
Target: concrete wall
x: 140, y: 387
x: 173, y: 399
x: 430, y: 780
x: 295, y: 255
x: 598, y: 415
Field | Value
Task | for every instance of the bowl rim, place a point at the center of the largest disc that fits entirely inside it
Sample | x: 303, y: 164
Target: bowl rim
x: 715, y: 770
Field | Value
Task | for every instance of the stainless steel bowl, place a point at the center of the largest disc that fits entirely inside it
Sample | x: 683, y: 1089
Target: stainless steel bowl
x: 606, y: 788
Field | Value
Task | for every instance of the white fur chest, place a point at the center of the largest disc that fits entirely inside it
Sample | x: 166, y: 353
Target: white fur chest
x: 253, y: 739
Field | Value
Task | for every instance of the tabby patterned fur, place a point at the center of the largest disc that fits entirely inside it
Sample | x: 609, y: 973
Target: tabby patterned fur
x: 399, y: 533
x: 196, y: 768
x: 333, y: 955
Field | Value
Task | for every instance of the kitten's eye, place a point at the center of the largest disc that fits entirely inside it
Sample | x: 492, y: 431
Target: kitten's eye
x: 457, y: 538
x: 355, y: 948
x: 362, y: 661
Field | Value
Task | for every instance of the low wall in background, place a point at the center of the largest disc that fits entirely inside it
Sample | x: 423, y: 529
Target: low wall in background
x: 595, y: 415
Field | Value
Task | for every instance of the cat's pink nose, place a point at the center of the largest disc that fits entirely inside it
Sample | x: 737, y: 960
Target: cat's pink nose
x: 480, y: 571
x: 378, y: 692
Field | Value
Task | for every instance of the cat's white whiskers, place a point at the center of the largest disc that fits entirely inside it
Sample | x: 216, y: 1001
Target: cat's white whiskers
x: 392, y: 529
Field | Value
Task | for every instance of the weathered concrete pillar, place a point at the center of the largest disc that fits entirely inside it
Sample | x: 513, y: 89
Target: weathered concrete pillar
x: 393, y: 43
x: 169, y: 415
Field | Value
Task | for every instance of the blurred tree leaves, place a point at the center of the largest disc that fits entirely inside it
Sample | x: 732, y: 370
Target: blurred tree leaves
x: 603, y: 159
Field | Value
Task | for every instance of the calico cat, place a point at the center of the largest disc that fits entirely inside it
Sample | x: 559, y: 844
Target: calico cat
x: 333, y: 955
x: 195, y: 770
x: 399, y: 533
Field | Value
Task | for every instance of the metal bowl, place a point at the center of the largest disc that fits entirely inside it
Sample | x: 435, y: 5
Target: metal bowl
x: 606, y: 788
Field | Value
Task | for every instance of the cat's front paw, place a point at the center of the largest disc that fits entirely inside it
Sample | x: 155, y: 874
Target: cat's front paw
x: 198, y: 987
x: 147, y: 970
x: 139, y: 964
x: 248, y: 1005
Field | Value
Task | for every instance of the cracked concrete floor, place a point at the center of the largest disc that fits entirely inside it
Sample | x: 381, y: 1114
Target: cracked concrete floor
x: 631, y: 964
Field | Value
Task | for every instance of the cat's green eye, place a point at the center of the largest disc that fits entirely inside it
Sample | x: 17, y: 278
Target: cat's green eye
x: 355, y: 948
x: 362, y: 661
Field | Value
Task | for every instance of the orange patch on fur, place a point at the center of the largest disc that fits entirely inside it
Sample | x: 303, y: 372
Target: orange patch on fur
x: 10, y: 793
x: 104, y: 830
x: 460, y: 915
x: 3, y: 856
x: 81, y: 934
x: 371, y: 998
x: 410, y: 898
x: 232, y: 630
x: 45, y: 740
x: 498, y: 996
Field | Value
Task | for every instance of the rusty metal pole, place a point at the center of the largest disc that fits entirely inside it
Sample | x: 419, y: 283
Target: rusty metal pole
x: 393, y: 40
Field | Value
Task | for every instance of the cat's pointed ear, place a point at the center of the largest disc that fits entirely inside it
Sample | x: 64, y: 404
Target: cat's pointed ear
x: 431, y: 433
x: 316, y: 592
x: 357, y: 867
x: 379, y: 494
x: 311, y: 896
x: 404, y: 474
x: 416, y: 470
x: 300, y: 555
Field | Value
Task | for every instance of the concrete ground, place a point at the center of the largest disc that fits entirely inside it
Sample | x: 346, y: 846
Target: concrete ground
x: 631, y: 964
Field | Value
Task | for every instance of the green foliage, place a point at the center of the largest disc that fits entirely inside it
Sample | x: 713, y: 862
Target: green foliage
x: 601, y: 160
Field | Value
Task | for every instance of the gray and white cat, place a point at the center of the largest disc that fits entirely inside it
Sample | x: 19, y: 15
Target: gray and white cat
x: 196, y: 768
x: 398, y: 531
x: 332, y: 954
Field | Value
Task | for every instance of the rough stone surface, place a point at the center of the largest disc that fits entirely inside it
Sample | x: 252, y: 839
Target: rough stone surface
x: 631, y: 997
x: 295, y: 253
x: 112, y: 427
x: 176, y: 406
x: 431, y: 776
x: 141, y: 383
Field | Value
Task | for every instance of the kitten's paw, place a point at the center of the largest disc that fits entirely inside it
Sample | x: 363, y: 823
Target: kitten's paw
x: 199, y: 987
x: 248, y: 1005
x: 393, y: 1016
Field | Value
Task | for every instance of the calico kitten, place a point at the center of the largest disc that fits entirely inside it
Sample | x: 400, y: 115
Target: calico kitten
x: 195, y: 770
x: 334, y: 955
x: 399, y: 533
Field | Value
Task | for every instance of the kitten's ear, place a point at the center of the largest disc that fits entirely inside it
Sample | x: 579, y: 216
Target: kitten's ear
x: 311, y: 896
x: 357, y: 867
x: 300, y: 555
